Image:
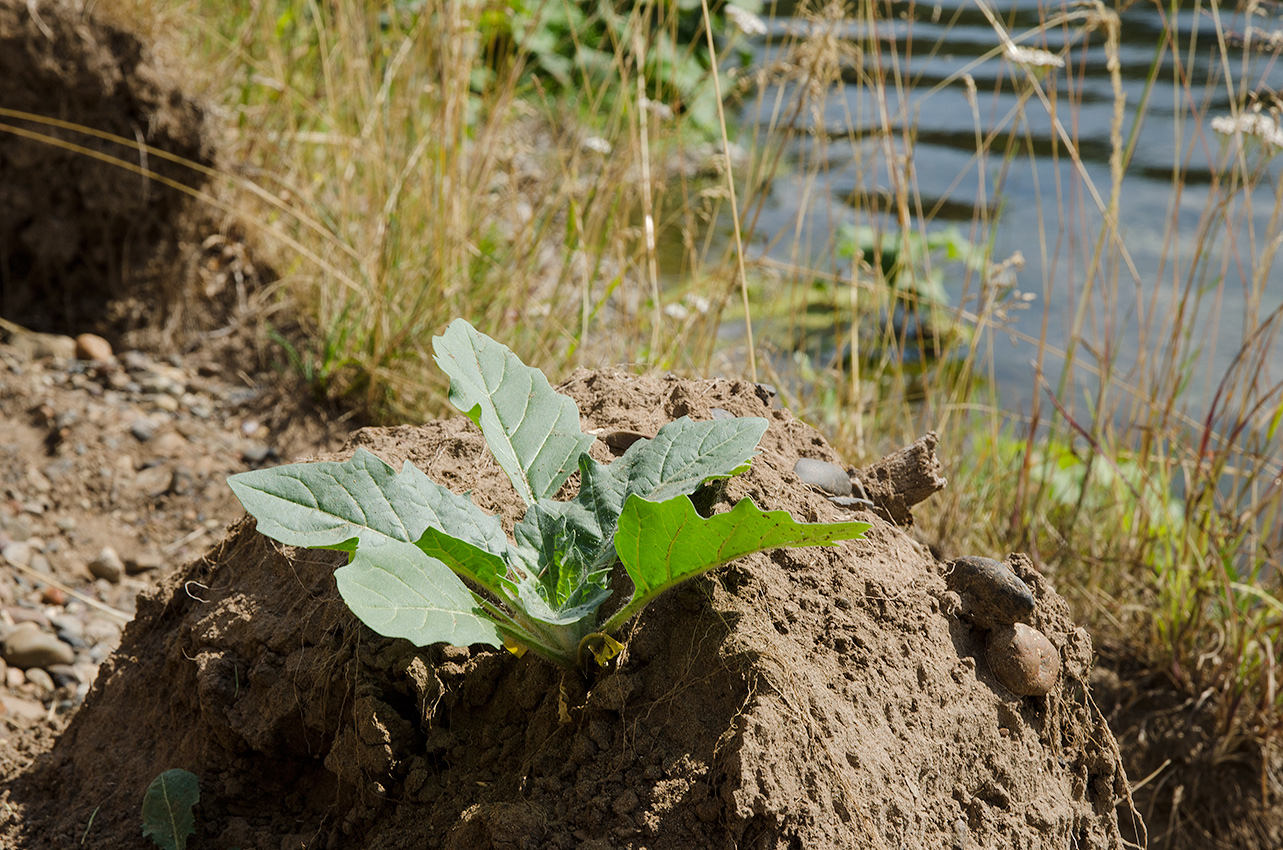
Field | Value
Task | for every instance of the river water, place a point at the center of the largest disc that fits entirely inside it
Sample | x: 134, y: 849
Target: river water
x: 841, y: 169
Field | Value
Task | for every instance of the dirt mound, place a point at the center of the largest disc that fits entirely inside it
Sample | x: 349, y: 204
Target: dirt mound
x: 798, y: 698
x: 81, y: 228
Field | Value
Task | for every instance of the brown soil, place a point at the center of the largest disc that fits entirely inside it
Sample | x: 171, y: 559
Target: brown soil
x: 801, y: 698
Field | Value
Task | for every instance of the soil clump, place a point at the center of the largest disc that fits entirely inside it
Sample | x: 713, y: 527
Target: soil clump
x: 825, y: 697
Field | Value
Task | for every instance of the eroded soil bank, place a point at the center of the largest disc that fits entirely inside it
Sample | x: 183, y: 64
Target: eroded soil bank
x: 799, y: 698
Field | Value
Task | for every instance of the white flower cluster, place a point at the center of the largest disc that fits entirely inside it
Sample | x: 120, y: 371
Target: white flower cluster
x: 1032, y: 57
x: 1251, y: 124
x: 596, y: 144
x: 745, y: 21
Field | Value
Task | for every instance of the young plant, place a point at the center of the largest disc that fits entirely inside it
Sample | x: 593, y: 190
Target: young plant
x: 412, y: 542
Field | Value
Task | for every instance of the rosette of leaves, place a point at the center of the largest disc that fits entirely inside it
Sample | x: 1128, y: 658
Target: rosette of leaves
x: 428, y: 565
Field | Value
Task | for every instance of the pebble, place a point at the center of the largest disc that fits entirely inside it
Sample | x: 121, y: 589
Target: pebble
x: 169, y: 443
x: 22, y: 615
x: 53, y: 596
x: 143, y: 429
x: 27, y: 646
x: 821, y: 474
x: 14, y: 678
x: 135, y: 361
x: 18, y: 553
x: 155, y: 481
x: 28, y: 709
x: 721, y: 413
x: 144, y: 561
x: 41, y: 681
x: 1023, y: 660
x: 256, y: 453
x: 107, y: 564
x: 62, y: 674
x: 92, y: 347
x: 992, y: 595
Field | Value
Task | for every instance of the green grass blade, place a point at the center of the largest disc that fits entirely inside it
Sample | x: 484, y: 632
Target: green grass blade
x: 532, y: 430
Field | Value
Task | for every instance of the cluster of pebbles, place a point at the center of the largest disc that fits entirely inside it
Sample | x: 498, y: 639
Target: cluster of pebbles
x: 112, y: 471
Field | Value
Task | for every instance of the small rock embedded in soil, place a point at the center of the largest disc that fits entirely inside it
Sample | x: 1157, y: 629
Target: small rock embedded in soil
x: 992, y: 594
x: 1023, y: 660
x: 825, y: 476
x: 107, y: 564
x: 143, y: 429
x: 92, y: 347
x: 27, y: 646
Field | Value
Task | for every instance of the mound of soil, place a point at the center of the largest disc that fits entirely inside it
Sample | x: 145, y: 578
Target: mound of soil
x: 82, y: 228
x: 825, y: 697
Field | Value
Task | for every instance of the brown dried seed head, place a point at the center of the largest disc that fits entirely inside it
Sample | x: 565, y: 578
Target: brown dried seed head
x: 1023, y: 660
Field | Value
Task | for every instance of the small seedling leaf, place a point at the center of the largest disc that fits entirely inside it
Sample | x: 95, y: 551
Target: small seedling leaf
x: 532, y: 429
x: 167, y: 808
x: 398, y: 591
x: 665, y: 543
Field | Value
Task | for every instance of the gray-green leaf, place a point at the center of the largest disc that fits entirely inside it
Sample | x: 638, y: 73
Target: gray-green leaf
x: 398, y: 591
x: 532, y: 430
x: 167, y: 808
x: 333, y: 505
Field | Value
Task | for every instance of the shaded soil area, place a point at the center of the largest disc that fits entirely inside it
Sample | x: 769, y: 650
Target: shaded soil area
x: 799, y: 698
x: 98, y: 142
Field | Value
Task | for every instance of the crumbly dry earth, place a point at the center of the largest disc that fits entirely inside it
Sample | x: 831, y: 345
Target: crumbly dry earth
x: 825, y: 697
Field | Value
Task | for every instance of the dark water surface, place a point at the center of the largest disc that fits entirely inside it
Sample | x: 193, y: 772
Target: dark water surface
x: 1040, y: 198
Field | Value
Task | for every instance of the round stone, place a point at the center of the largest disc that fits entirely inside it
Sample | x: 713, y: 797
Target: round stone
x: 1023, y: 660
x: 28, y: 646
x: 92, y: 347
x: 107, y: 564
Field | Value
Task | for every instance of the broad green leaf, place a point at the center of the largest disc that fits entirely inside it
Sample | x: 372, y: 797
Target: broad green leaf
x: 333, y: 505
x: 167, y: 808
x: 485, y: 568
x: 685, y: 454
x: 681, y: 457
x: 662, y: 544
x: 398, y: 591
x: 532, y: 430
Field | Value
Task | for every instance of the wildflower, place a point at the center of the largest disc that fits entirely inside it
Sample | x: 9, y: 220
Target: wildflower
x: 1257, y: 124
x: 660, y: 110
x: 597, y: 144
x: 1032, y: 57
x: 745, y: 21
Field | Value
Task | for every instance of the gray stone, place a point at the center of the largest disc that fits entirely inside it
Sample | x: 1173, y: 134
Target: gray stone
x: 28, y: 709
x: 992, y: 595
x: 155, y: 481
x: 107, y: 564
x: 18, y: 553
x: 828, y: 477
x: 27, y: 646
x: 41, y: 681
x: 143, y: 429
